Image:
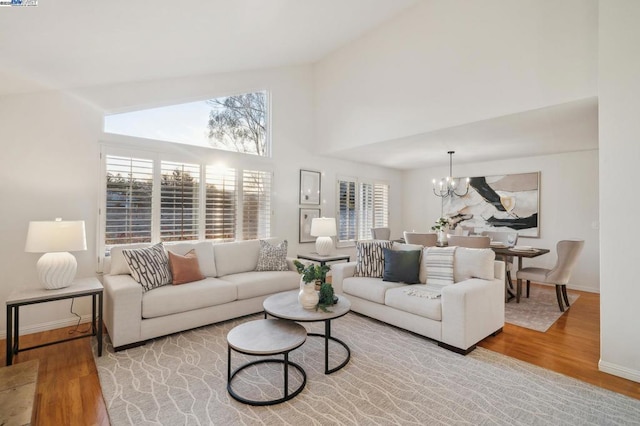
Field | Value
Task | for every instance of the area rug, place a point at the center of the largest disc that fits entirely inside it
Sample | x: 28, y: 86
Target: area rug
x: 539, y: 311
x: 394, y: 378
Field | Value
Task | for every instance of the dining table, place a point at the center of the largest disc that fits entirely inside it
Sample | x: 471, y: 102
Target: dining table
x: 520, y: 252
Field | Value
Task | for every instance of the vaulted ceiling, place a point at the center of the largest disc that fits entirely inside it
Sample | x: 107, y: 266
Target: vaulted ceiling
x: 67, y: 44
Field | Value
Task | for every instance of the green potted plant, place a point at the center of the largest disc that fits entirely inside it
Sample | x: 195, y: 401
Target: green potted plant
x: 312, y: 276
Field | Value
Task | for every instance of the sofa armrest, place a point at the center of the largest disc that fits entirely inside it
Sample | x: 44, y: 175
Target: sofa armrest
x: 340, y: 271
x: 472, y: 310
x: 499, y: 271
x: 290, y: 264
x: 123, y: 309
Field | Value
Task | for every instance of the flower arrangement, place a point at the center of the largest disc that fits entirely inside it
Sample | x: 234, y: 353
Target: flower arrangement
x: 442, y: 224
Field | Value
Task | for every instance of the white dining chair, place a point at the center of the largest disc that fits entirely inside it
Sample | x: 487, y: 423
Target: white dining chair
x: 559, y: 275
x: 426, y: 239
x: 381, y: 233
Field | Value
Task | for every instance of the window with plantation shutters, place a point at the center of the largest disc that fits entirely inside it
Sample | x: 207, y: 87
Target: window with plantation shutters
x: 380, y: 205
x: 179, y: 201
x: 153, y: 200
x: 221, y: 195
x: 347, y: 220
x: 128, y: 204
x: 361, y: 206
x: 256, y: 204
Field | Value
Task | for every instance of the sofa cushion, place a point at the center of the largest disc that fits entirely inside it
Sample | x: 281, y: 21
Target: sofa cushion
x: 235, y: 257
x: 255, y: 283
x: 473, y: 263
x: 467, y: 263
x: 370, y: 259
x: 204, y: 251
x: 149, y: 266
x: 172, y: 299
x: 422, y: 306
x: 118, y: 264
x: 372, y: 289
x: 405, y: 247
x: 272, y: 257
x: 184, y: 269
x: 401, y: 265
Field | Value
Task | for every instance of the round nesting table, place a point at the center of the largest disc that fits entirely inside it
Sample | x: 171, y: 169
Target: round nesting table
x: 285, y: 306
x: 264, y: 338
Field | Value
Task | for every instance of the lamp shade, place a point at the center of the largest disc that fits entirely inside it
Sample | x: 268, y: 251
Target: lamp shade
x: 56, y: 236
x: 323, y: 227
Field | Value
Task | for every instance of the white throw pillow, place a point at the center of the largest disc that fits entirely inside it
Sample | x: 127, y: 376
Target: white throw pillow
x: 473, y: 263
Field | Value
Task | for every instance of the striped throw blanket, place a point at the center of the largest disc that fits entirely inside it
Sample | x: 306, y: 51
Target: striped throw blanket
x: 439, y: 263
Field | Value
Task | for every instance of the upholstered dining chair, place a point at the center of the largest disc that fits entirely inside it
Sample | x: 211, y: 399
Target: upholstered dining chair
x: 470, y: 241
x: 381, y: 233
x: 559, y: 275
x: 422, y: 238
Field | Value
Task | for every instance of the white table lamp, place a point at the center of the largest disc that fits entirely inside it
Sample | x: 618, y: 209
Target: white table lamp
x: 324, y: 228
x: 57, y: 267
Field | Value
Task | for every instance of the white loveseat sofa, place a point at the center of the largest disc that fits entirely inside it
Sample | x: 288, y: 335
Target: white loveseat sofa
x: 231, y: 288
x: 466, y: 312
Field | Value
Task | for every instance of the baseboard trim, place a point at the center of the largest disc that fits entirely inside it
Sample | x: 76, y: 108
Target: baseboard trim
x: 51, y: 325
x: 617, y: 370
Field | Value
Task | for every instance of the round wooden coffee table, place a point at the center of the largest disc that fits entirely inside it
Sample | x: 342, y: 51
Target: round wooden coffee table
x: 285, y: 306
x: 264, y: 338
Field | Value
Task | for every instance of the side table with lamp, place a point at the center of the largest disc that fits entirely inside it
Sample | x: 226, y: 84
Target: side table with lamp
x: 56, y: 271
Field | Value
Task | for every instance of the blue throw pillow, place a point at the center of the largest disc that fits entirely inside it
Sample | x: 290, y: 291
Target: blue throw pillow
x: 401, y: 266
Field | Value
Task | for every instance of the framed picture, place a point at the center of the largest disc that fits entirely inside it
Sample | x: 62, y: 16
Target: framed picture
x: 306, y: 216
x: 309, y: 187
x: 499, y: 203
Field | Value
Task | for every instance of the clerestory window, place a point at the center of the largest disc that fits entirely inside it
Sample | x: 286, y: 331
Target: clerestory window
x: 236, y: 123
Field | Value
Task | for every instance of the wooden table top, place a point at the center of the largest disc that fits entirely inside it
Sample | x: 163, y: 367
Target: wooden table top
x: 511, y: 251
x: 286, y: 306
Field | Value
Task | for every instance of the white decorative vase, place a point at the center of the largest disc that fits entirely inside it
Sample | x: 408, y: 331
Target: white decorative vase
x: 308, y: 296
x: 442, y: 237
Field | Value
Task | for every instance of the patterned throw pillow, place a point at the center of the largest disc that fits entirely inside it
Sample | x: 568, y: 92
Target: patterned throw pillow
x: 149, y: 266
x: 272, y: 258
x: 370, y: 259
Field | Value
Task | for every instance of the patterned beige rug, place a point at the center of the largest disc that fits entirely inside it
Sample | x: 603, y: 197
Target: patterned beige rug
x: 394, y: 377
x: 539, y: 311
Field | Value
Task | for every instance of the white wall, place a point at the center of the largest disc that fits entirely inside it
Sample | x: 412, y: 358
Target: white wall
x: 568, y: 204
x: 619, y: 85
x: 50, y: 146
x: 449, y: 62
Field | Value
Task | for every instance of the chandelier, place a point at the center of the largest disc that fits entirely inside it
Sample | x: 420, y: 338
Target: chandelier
x: 448, y: 187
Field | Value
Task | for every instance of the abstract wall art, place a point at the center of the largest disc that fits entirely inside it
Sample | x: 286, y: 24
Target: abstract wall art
x: 498, y: 203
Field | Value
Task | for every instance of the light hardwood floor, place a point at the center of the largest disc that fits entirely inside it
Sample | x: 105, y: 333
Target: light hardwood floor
x: 69, y: 392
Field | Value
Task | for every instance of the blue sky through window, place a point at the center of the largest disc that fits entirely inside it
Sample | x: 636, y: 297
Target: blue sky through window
x: 184, y: 123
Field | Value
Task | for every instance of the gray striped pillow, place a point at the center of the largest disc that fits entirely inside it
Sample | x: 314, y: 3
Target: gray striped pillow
x: 370, y: 259
x: 439, y: 262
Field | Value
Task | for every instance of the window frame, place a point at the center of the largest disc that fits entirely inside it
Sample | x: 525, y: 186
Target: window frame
x: 134, y: 149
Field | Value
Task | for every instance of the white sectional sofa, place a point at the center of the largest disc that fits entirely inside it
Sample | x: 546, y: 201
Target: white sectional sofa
x: 231, y: 288
x: 466, y: 312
